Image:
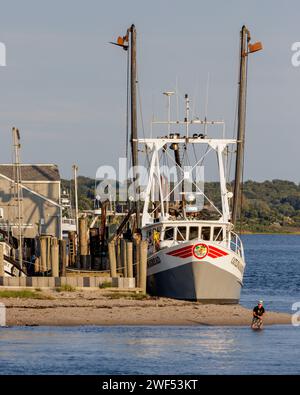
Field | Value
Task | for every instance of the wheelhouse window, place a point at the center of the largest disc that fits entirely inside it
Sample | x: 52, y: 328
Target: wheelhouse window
x: 194, y: 231
x: 218, y: 233
x: 205, y: 233
x: 181, y: 233
x: 169, y: 234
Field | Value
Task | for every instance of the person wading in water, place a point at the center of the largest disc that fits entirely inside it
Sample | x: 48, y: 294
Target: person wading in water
x: 258, y: 313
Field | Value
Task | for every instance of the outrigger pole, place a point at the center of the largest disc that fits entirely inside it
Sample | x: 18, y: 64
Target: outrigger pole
x: 246, y: 49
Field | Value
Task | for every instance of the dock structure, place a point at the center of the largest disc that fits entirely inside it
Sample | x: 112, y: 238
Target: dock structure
x: 52, y: 256
x: 78, y: 281
x: 41, y: 186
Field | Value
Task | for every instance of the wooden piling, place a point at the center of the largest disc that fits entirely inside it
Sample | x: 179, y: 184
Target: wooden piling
x: 143, y: 265
x: 1, y: 261
x: 83, y: 242
x: 37, y: 267
x: 136, y: 272
x: 63, y: 257
x: 54, y: 258
x: 72, y: 248
x: 124, y: 257
x: 129, y: 258
x: 119, y: 262
x: 112, y: 258
x: 43, y: 254
x: 49, y: 243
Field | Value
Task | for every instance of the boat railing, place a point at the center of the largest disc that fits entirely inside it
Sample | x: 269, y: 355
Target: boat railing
x: 236, y: 244
x: 68, y: 221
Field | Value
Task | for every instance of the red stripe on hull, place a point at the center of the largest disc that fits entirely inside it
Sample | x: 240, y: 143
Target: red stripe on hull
x: 185, y: 252
x: 217, y: 251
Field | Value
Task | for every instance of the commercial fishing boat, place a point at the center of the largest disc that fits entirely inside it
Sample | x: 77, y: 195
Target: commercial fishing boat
x: 189, y: 257
x: 194, y: 252
x: 192, y: 255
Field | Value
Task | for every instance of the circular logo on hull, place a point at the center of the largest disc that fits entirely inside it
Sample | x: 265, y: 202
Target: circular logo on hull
x: 200, y: 251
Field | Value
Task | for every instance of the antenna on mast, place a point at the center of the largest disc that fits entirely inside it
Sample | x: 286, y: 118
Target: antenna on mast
x: 187, y: 114
x: 169, y: 94
x: 206, y: 103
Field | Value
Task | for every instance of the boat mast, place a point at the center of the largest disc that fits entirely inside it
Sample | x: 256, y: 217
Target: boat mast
x: 246, y: 48
x: 134, y: 143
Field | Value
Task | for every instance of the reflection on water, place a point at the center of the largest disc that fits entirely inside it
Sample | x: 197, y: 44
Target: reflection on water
x: 204, y: 341
x: 149, y: 350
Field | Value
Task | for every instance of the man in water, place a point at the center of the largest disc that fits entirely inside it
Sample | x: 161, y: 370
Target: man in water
x: 258, y: 313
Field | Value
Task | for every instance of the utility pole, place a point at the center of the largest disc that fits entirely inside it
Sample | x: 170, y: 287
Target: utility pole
x: 18, y: 194
x: 75, y: 169
x: 134, y: 143
x: 246, y: 49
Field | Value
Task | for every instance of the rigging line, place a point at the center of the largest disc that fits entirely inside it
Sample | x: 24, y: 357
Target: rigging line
x: 183, y: 155
x: 210, y: 201
x: 140, y: 104
x: 195, y: 97
x: 177, y: 103
x: 180, y: 181
x: 207, y: 92
x: 141, y: 112
x: 234, y: 131
x: 233, y: 134
x: 194, y: 150
x: 187, y: 158
x: 169, y: 194
x: 206, y: 102
x: 200, y: 160
x: 201, y: 192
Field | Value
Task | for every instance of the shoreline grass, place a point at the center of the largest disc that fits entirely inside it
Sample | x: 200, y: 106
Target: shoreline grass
x: 23, y: 294
x: 105, y: 284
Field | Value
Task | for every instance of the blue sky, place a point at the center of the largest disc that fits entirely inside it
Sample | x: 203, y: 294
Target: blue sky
x: 64, y: 86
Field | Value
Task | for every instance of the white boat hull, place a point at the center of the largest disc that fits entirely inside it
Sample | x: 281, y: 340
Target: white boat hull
x: 214, y: 276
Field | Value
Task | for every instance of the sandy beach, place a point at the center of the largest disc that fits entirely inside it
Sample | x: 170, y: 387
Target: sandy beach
x: 105, y: 307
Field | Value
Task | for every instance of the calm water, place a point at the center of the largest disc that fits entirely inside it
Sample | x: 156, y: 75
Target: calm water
x: 149, y: 350
x: 273, y: 273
